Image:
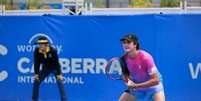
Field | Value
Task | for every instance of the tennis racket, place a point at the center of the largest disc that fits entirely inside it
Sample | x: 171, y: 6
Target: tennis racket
x: 114, y: 69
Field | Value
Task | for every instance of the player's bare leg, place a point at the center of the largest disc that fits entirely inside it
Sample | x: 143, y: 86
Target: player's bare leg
x: 127, y: 97
x: 159, y: 96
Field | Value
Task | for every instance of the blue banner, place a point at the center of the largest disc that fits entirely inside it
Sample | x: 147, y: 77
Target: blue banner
x: 86, y: 43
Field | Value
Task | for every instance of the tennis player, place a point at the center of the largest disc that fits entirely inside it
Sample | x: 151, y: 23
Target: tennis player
x: 46, y: 56
x: 145, y: 79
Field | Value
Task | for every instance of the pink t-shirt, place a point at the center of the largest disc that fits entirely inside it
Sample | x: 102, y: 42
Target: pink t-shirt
x: 141, y: 66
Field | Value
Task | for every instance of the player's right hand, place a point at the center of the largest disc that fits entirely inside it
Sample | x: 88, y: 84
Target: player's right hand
x: 130, y: 84
x: 36, y: 77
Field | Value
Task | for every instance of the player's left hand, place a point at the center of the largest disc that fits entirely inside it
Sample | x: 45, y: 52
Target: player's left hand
x: 59, y: 77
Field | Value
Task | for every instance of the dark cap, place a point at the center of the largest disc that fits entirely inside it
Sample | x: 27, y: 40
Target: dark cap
x: 129, y: 37
x: 42, y: 40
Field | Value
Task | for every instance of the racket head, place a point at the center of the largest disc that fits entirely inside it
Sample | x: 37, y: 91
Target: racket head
x: 114, y: 71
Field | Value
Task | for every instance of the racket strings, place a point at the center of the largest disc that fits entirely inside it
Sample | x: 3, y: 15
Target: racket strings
x: 114, y: 69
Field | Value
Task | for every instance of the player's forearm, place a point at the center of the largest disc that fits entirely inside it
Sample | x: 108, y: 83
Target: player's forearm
x: 148, y: 83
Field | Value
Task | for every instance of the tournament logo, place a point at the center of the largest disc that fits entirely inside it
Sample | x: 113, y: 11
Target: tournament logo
x: 35, y: 37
